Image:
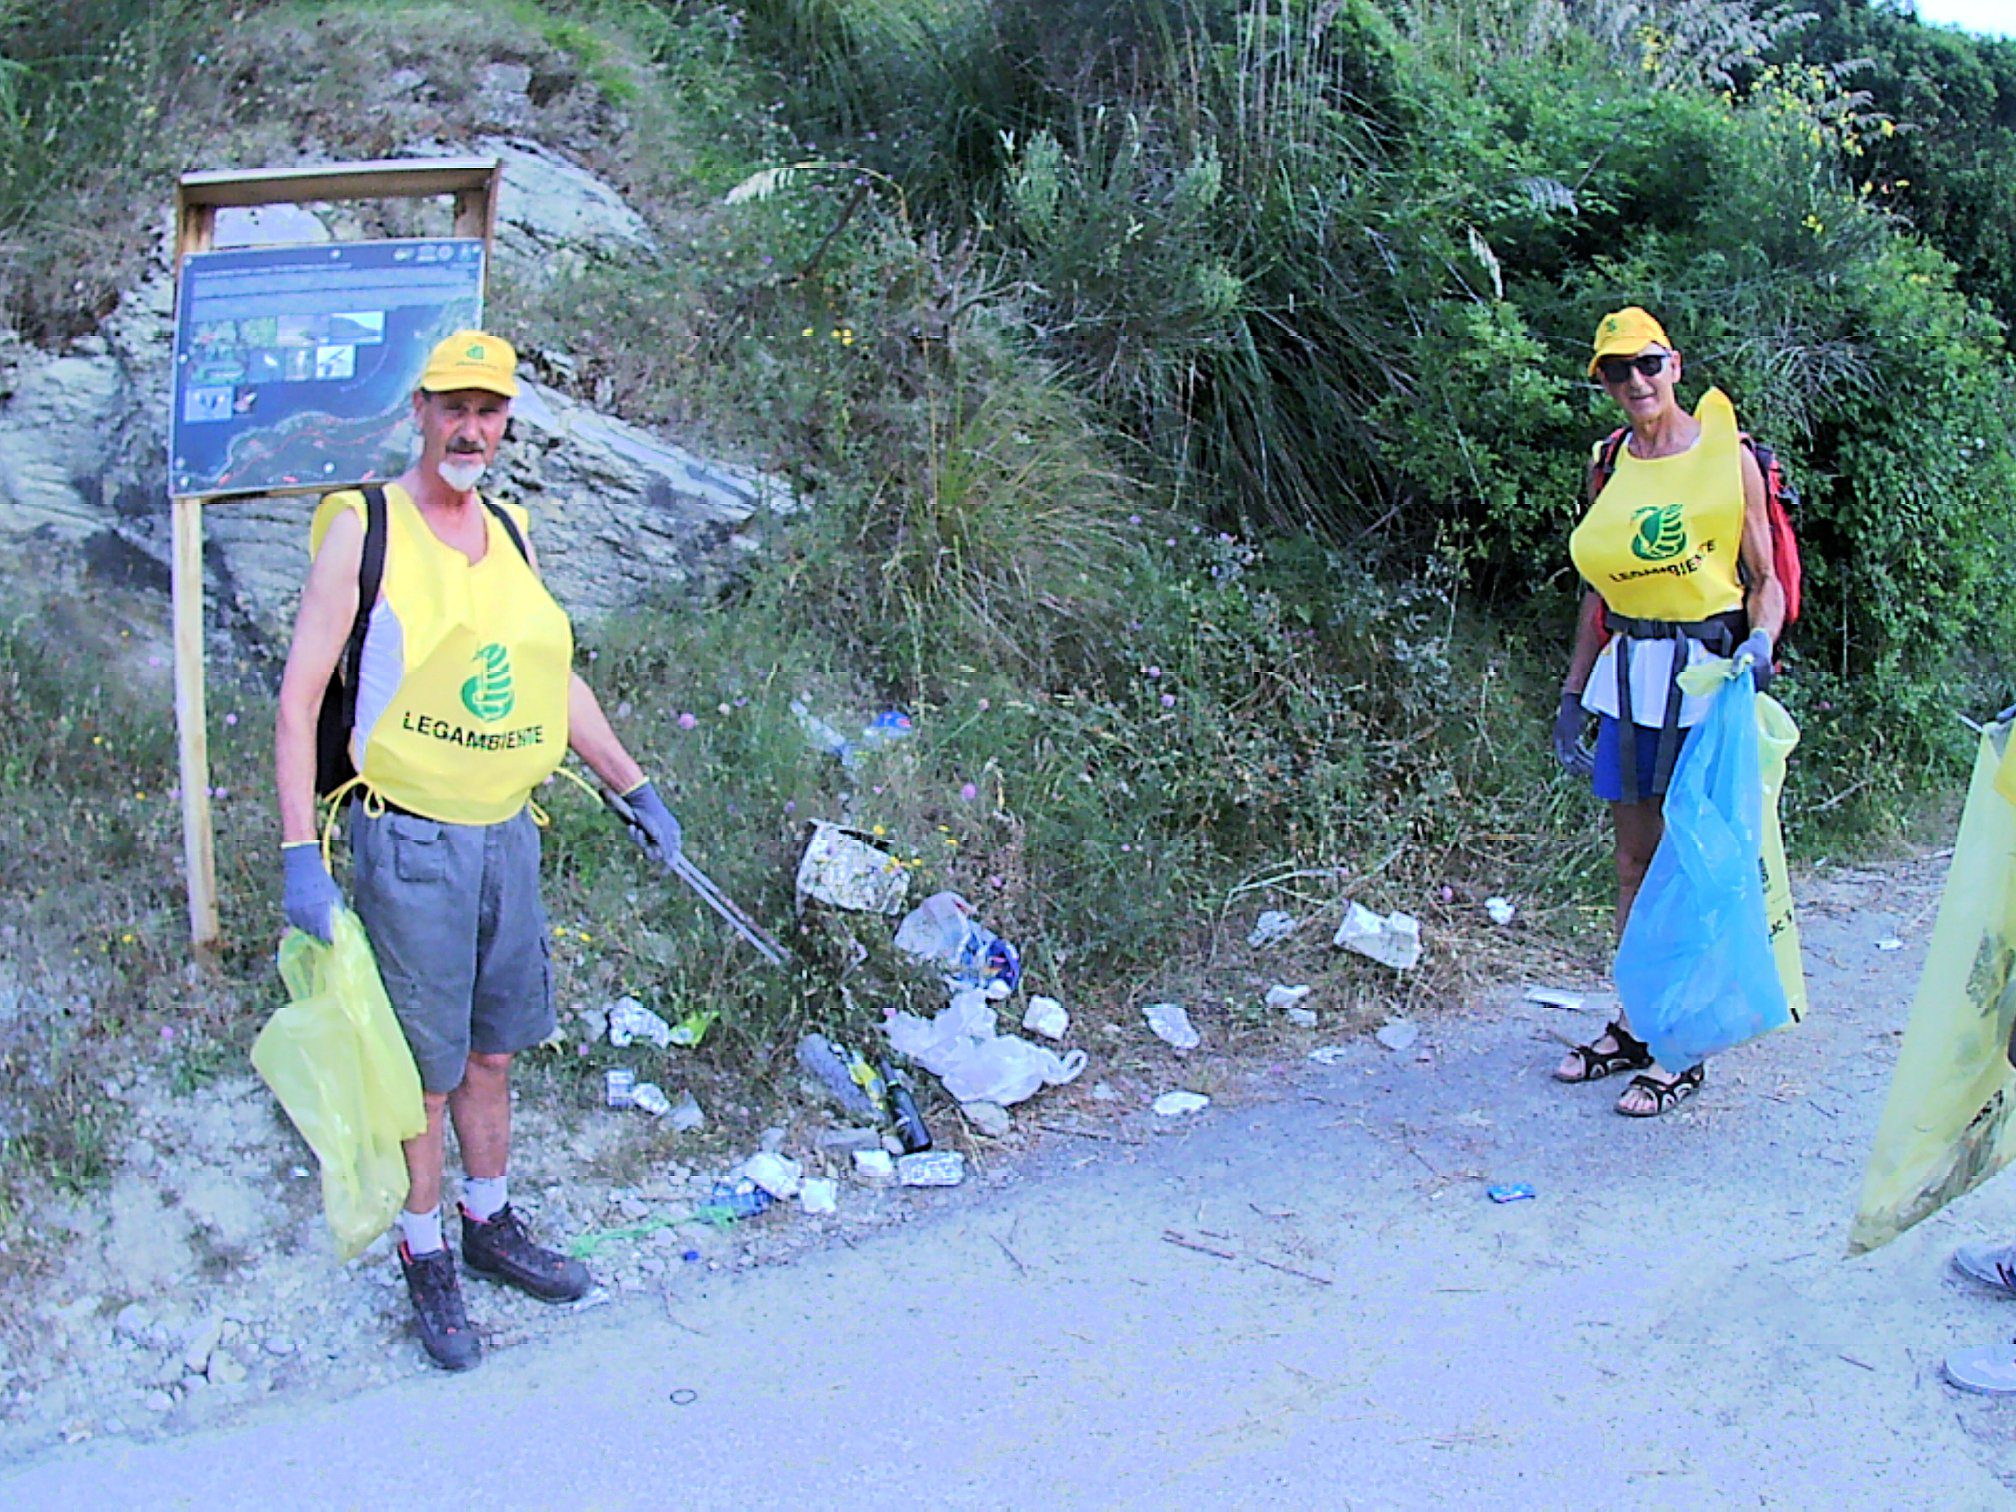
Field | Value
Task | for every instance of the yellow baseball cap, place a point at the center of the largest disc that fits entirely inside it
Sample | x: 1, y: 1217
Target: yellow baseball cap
x: 471, y: 360
x: 1626, y: 333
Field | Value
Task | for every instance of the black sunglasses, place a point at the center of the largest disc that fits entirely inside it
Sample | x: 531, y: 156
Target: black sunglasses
x: 1615, y: 370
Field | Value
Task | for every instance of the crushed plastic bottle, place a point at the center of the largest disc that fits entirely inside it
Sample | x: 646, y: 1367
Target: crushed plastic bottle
x: 824, y: 737
x: 732, y: 1202
x: 841, y: 1073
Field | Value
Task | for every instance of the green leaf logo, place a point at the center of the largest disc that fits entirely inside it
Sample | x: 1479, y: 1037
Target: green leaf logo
x: 488, y: 694
x: 1661, y: 533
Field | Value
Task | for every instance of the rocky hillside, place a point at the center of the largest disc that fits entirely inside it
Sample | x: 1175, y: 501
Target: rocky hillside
x: 636, y: 517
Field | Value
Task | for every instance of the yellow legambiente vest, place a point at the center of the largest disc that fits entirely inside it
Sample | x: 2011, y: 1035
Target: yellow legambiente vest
x: 1663, y: 539
x: 462, y: 697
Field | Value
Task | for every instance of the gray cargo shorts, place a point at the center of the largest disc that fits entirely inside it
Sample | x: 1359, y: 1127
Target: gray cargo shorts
x: 455, y: 919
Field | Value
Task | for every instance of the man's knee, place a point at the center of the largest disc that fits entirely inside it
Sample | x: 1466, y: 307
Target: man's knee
x: 486, y: 1066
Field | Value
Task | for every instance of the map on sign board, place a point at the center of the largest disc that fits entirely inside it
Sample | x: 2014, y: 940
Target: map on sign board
x: 295, y: 366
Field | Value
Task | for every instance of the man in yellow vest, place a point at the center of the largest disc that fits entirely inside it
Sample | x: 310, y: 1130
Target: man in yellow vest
x: 466, y: 700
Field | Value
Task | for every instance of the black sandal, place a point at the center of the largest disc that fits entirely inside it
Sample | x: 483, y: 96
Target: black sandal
x: 1666, y: 1095
x: 1631, y: 1054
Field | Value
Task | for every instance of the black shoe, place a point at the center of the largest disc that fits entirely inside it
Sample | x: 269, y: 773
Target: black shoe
x: 437, y: 1309
x: 499, y: 1247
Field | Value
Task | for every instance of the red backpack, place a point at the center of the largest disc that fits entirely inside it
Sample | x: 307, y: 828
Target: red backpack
x: 1781, y: 497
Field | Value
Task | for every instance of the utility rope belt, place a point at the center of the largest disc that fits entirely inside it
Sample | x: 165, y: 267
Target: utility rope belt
x: 1720, y: 633
x: 375, y: 804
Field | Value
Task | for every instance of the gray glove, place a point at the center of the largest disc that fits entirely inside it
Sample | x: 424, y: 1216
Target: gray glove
x: 310, y: 898
x: 1569, y: 723
x: 654, y: 828
x: 1758, y: 649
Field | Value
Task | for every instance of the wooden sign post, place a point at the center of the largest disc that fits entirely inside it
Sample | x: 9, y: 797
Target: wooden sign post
x: 198, y: 197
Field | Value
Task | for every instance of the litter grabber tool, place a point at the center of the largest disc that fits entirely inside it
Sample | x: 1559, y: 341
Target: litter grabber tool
x: 702, y: 884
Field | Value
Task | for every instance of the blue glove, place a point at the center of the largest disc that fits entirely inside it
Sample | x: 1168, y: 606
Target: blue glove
x: 1758, y: 649
x: 654, y: 827
x: 310, y: 898
x: 1569, y: 723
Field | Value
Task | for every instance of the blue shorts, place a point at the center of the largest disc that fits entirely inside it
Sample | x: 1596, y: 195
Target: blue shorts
x: 1607, y: 781
x: 455, y: 919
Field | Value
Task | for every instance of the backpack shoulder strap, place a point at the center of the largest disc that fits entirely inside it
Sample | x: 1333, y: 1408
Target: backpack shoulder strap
x: 1606, y: 460
x: 370, y: 578
x: 510, y: 525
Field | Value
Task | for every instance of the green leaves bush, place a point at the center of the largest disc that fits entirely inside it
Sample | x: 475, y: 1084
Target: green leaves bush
x: 1335, y: 268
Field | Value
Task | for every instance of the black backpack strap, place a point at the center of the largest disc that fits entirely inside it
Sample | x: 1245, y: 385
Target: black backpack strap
x: 503, y: 517
x: 338, y: 713
x: 1606, y: 459
x: 370, y: 578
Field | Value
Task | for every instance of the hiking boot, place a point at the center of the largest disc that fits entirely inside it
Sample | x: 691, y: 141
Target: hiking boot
x: 437, y: 1309
x: 1988, y: 1369
x: 1990, y: 1264
x: 499, y: 1247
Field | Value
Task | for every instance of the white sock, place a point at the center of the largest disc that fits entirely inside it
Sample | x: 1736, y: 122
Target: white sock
x: 483, y: 1197
x: 421, y: 1231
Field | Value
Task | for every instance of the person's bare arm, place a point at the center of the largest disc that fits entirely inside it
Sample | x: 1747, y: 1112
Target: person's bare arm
x: 321, y: 626
x: 1765, y: 600
x: 592, y: 738
x: 1588, y: 643
x: 589, y: 733
x: 1588, y: 626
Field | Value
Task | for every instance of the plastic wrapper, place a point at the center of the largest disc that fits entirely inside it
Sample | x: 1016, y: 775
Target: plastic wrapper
x: 934, y: 1168
x: 844, y: 868
x: 335, y: 1058
x: 942, y: 930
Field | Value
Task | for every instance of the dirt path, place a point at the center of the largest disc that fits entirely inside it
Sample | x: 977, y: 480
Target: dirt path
x: 1340, y: 1317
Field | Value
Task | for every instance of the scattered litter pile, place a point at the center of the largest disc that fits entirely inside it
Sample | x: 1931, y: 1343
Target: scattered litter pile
x: 985, y: 1070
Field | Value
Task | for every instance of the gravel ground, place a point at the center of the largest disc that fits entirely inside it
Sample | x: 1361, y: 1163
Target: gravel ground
x: 1300, y: 1292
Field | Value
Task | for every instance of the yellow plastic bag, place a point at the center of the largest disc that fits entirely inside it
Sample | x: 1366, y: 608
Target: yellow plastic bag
x: 1947, y: 1126
x: 335, y: 1057
x: 1776, y: 736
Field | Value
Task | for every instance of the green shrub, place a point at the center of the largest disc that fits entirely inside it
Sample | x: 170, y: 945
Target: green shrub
x: 85, y: 92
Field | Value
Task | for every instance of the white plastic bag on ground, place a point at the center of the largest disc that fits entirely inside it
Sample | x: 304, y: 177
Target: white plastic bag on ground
x: 935, y: 929
x: 1009, y: 1069
x: 943, y: 931
x: 969, y: 1016
x: 1172, y: 1025
x: 961, y: 1048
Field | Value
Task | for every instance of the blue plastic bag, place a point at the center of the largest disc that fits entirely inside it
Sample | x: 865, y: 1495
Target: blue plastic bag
x: 1695, y: 970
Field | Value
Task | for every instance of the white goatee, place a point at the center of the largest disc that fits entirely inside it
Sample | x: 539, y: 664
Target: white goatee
x: 459, y: 475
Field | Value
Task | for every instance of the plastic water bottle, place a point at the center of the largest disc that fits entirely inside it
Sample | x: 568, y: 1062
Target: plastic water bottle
x: 840, y: 1074
x: 890, y: 724
x: 824, y: 737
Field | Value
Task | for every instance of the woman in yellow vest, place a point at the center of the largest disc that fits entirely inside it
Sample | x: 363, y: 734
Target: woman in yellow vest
x: 1676, y: 549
